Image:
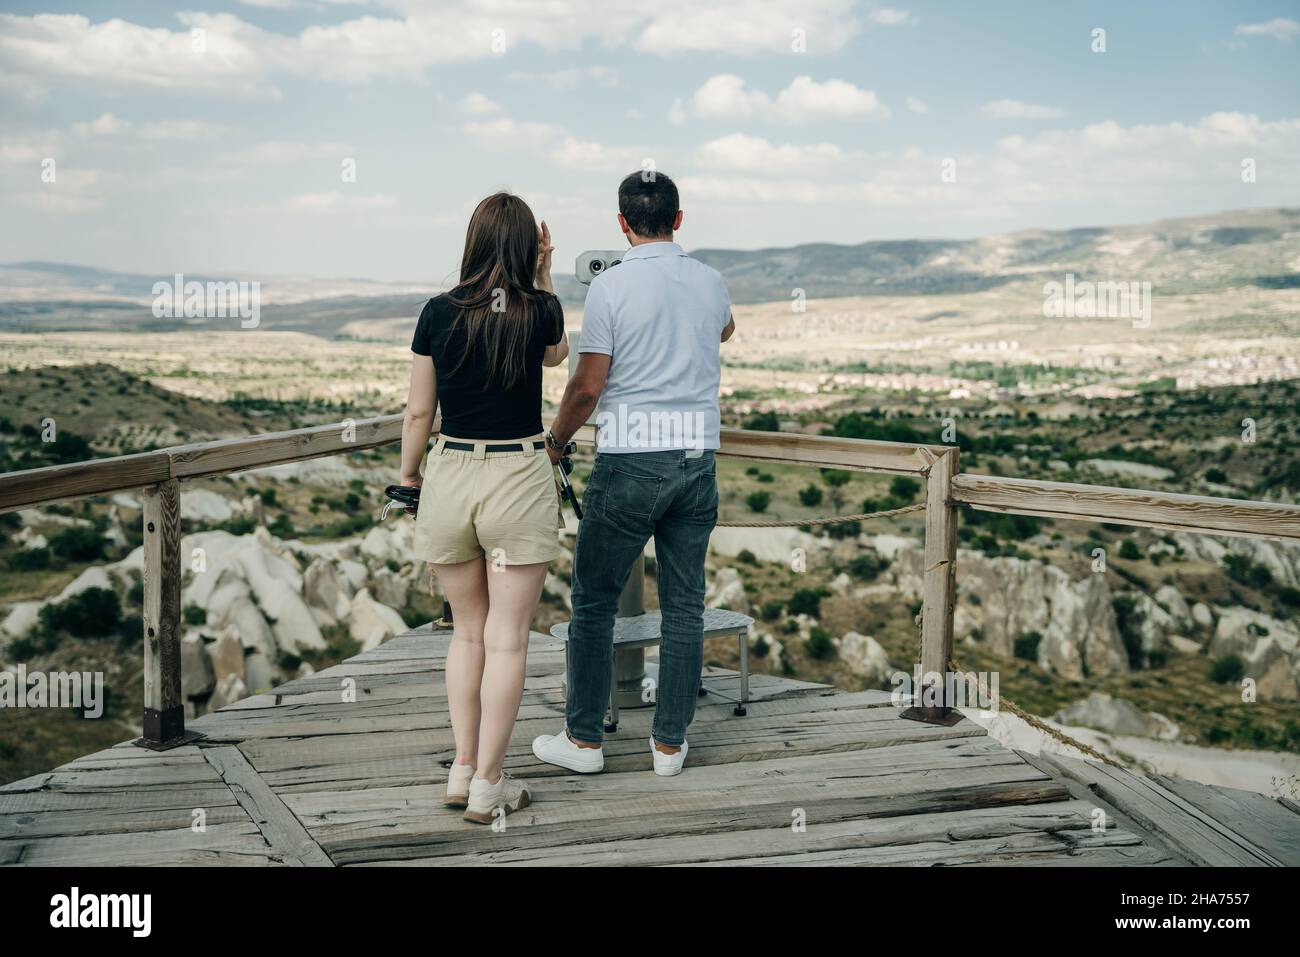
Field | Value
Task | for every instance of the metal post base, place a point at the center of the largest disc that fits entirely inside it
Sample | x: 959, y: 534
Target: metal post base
x: 187, y: 737
x: 164, y: 730
x: 946, y: 717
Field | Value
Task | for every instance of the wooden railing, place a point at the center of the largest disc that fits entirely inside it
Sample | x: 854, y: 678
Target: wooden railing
x: 159, y: 474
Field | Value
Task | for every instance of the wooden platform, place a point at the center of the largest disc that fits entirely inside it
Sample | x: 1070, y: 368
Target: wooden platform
x: 811, y: 776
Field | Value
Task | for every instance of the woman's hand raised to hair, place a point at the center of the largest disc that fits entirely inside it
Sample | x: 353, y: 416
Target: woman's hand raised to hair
x: 544, y: 250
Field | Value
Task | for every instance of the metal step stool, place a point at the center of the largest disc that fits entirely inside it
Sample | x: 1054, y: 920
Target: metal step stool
x: 642, y: 631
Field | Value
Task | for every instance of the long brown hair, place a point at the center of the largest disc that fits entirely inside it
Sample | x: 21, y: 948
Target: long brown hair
x: 496, y: 293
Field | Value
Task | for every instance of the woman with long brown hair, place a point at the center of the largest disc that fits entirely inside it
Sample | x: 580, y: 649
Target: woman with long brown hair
x: 488, y: 519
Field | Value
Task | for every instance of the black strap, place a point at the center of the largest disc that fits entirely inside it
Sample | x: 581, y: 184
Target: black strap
x: 507, y: 447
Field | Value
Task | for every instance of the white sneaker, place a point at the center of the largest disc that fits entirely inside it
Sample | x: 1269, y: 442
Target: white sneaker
x: 507, y: 795
x: 666, y: 765
x: 458, y: 778
x: 557, y: 749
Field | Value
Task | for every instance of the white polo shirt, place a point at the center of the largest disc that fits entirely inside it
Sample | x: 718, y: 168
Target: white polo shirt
x: 659, y: 316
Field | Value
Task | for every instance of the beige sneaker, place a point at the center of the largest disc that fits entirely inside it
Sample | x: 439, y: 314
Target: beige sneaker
x: 458, y: 778
x: 484, y: 799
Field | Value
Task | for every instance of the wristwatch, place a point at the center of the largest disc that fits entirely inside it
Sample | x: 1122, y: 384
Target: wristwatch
x: 553, y: 443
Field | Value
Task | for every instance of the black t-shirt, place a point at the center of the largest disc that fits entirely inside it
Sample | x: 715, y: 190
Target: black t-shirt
x: 471, y: 408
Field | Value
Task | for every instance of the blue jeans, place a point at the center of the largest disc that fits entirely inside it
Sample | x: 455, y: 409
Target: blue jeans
x: 631, y: 497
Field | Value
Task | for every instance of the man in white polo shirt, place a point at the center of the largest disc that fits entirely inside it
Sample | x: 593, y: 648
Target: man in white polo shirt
x: 649, y: 354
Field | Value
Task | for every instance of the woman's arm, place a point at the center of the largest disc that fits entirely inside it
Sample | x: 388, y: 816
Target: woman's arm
x: 421, y: 401
x: 557, y: 353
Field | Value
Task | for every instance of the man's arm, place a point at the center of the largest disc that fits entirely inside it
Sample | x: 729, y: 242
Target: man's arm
x: 580, y: 398
x: 729, y: 328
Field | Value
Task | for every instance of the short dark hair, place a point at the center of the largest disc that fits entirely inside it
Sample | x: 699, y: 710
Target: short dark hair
x: 648, y: 201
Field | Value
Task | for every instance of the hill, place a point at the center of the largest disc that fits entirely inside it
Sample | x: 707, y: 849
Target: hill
x: 1257, y: 247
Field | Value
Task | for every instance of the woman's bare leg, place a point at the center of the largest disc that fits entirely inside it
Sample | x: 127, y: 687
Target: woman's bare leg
x: 465, y: 586
x: 513, y: 591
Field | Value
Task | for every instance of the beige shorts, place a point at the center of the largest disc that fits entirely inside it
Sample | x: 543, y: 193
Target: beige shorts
x: 502, y: 506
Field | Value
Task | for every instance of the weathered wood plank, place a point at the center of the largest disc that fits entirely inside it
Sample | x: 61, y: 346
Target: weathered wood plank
x: 1009, y: 849
x: 607, y: 807
x: 769, y: 808
x: 274, y: 448
x: 785, y: 838
x: 164, y: 715
x: 1191, y: 833
x: 230, y: 845
x: 281, y: 829
x: 820, y: 450
x: 1098, y: 503
x: 940, y: 583
x: 55, y: 483
x: 1262, y: 821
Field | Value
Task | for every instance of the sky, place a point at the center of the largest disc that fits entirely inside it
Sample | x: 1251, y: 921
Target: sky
x: 353, y: 139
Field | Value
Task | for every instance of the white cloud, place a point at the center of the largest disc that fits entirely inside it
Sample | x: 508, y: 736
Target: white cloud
x: 106, y: 125
x: 804, y: 100
x: 476, y: 104
x: 560, y: 148
x: 74, y: 190
x: 891, y: 17
x: 189, y: 130
x: 337, y: 201
x: 570, y: 78
x: 916, y: 106
x: 1017, y: 110
x: 576, y: 154
x: 110, y: 125
x: 726, y: 95
x: 235, y: 57
x: 115, y: 54
x: 1282, y: 29
x: 505, y: 133
x: 288, y: 152
x: 1146, y: 166
x: 744, y: 153
x: 744, y: 26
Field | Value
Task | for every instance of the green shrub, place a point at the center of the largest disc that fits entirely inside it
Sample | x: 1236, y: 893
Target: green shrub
x: 806, y: 601
x: 94, y: 612
x: 758, y: 501
x: 1128, y: 549
x: 1026, y: 646
x: 818, y: 644
x: 771, y: 610
x: 810, y: 496
x: 78, y: 543
x: 744, y: 556
x: 194, y: 615
x: 30, y: 559
x: 764, y: 422
x: 836, y: 477
x: 867, y: 567
x: 904, y: 489
x: 1228, y: 670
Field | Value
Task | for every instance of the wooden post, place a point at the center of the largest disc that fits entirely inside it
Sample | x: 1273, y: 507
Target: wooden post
x: 164, y: 708
x: 933, y: 705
